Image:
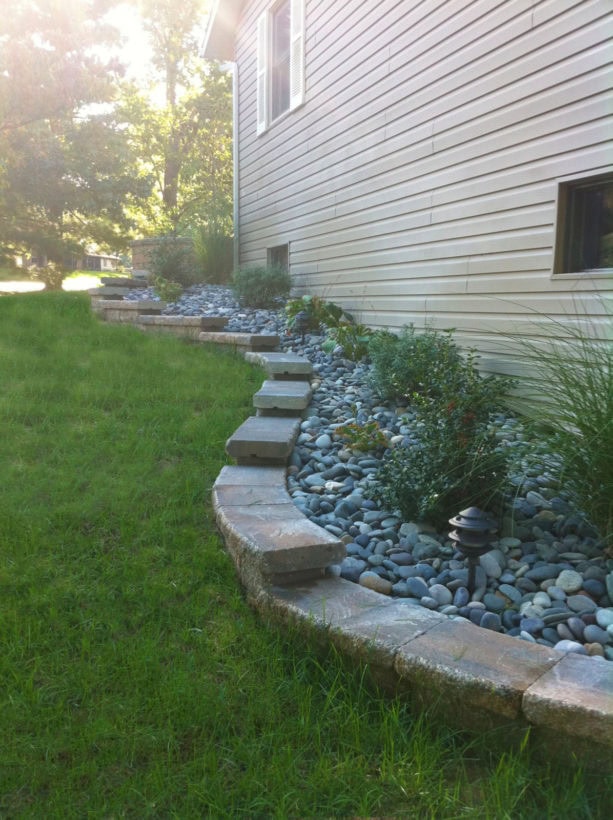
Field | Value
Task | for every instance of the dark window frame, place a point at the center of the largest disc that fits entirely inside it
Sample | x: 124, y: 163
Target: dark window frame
x: 584, y: 226
x: 278, y: 256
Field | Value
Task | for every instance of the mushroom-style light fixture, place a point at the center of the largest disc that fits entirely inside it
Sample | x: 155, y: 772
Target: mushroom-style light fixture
x: 472, y: 535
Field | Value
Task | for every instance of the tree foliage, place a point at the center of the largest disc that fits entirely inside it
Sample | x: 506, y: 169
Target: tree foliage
x: 86, y: 157
x: 186, y: 143
x: 65, y: 173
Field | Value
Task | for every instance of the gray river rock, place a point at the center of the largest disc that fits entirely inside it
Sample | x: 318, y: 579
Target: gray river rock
x: 546, y: 579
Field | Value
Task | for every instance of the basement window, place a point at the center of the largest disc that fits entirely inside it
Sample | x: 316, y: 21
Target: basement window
x: 584, y: 235
x: 278, y: 257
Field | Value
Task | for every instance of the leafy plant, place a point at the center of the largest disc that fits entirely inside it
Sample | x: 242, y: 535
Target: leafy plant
x: 570, y: 400
x: 364, y: 437
x: 352, y: 338
x: 173, y: 260
x: 414, y: 363
x: 167, y: 291
x: 261, y: 287
x: 455, y: 461
x: 316, y: 312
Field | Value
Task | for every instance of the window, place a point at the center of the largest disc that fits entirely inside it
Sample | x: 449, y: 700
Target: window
x: 280, y: 61
x: 278, y: 257
x: 585, y: 225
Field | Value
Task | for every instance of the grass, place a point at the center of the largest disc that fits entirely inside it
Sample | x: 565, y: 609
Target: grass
x: 134, y: 679
x: 573, y: 417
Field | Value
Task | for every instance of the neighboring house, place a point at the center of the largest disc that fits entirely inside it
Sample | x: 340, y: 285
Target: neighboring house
x: 99, y: 262
x: 428, y: 161
x: 90, y: 261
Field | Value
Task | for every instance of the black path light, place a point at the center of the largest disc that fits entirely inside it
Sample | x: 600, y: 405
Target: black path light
x: 472, y: 535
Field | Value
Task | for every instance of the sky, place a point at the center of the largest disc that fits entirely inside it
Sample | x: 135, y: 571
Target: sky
x: 135, y: 52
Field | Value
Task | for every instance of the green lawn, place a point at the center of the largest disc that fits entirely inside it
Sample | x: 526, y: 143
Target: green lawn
x: 135, y: 681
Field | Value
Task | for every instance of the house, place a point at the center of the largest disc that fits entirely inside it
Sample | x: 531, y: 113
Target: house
x: 428, y: 161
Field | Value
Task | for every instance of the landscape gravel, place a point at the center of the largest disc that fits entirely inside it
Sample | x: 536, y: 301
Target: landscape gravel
x: 546, y: 579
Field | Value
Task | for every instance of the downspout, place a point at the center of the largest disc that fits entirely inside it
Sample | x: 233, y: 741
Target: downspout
x: 235, y: 179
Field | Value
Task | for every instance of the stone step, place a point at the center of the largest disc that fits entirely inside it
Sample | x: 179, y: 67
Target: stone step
x: 108, y: 292
x: 246, y: 341
x: 124, y: 310
x: 283, y: 395
x: 268, y: 537
x: 263, y: 440
x: 185, y: 326
x: 123, y: 282
x: 281, y: 366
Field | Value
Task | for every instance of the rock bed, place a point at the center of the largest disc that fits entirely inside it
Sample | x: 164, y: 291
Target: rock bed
x: 547, y: 582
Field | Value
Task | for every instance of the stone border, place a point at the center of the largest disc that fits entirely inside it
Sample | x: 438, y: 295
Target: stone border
x: 475, y: 678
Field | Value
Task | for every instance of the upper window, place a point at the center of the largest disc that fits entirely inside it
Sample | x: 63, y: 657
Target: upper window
x: 280, y: 61
x: 585, y: 225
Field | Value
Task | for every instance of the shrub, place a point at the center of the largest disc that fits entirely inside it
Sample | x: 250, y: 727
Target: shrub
x: 173, y: 260
x: 261, y: 287
x: 414, y: 363
x: 214, y: 252
x: 449, y: 469
x: 454, y: 462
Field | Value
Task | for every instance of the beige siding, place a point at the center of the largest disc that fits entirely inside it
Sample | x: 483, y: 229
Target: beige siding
x: 418, y: 181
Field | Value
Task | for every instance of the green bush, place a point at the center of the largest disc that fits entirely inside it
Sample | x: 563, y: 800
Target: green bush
x: 414, y: 363
x: 455, y: 462
x: 448, y: 470
x: 173, y: 260
x: 214, y: 250
x: 261, y: 287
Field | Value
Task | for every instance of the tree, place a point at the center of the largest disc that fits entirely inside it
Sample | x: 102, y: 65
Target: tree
x: 51, y: 64
x: 187, y: 142
x: 65, y: 171
x: 188, y: 151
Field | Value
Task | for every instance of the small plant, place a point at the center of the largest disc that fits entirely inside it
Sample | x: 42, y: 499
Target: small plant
x: 352, y: 338
x: 167, y: 291
x: 365, y: 437
x: 318, y: 312
x: 261, y: 287
x: 173, y: 260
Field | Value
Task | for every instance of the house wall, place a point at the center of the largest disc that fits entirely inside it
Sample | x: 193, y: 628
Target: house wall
x: 418, y: 181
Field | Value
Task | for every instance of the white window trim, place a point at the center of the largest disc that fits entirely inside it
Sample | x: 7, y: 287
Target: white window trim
x: 296, y: 76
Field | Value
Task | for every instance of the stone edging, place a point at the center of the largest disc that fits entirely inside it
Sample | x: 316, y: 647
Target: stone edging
x: 475, y: 677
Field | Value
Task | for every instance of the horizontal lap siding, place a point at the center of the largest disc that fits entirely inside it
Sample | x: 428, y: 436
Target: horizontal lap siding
x: 418, y: 181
